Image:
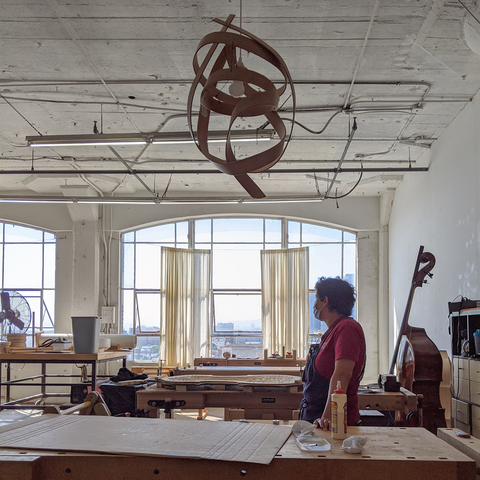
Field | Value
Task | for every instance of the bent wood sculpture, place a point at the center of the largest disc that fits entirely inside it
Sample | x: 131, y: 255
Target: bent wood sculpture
x: 416, y: 358
x: 259, y: 97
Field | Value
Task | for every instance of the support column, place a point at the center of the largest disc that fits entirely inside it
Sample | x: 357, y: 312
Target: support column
x: 386, y: 204
x: 383, y: 302
x: 87, y: 269
x: 64, y: 282
x: 367, y: 305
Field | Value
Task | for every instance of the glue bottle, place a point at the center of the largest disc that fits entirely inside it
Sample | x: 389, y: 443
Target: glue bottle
x: 339, y: 413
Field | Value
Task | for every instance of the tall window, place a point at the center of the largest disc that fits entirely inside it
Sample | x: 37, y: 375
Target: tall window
x: 235, y: 245
x: 27, y: 264
x: 141, y: 276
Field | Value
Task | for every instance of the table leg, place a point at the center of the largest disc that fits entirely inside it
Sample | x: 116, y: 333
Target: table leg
x: 94, y: 376
x: 44, y: 379
x: 8, y: 386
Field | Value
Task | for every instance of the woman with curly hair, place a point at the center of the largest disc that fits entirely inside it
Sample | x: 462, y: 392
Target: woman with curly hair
x: 340, y: 356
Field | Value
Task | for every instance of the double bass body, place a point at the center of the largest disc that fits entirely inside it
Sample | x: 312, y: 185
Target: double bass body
x: 419, y: 370
x: 417, y: 359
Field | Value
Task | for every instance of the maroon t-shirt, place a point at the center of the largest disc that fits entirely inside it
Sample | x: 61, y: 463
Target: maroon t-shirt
x: 346, y: 341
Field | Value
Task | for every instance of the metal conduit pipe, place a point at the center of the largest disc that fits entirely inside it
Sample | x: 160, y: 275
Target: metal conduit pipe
x: 345, y: 150
x: 50, y: 83
x: 362, y: 52
x: 279, y: 171
x: 131, y: 171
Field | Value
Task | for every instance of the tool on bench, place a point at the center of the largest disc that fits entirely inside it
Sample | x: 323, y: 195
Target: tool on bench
x: 388, y: 382
x: 167, y: 404
x: 93, y: 405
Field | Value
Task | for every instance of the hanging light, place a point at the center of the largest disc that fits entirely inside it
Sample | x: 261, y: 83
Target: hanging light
x: 236, y: 88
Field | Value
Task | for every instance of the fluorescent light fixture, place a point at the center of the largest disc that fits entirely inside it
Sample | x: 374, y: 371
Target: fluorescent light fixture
x: 117, y: 139
x: 156, y: 200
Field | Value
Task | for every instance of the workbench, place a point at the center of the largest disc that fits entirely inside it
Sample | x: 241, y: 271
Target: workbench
x: 248, y: 362
x: 266, y: 402
x: 393, y: 453
x: 236, y: 370
x: 46, y: 359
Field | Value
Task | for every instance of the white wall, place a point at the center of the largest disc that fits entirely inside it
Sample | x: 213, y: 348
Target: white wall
x: 440, y: 210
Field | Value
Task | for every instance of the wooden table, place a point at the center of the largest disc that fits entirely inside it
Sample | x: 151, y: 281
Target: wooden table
x: 267, y: 402
x: 393, y: 453
x: 248, y: 362
x: 45, y: 359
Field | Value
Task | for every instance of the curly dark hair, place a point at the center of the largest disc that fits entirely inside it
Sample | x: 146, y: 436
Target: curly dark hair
x: 341, y: 295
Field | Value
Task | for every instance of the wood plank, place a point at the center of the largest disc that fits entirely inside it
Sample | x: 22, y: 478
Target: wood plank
x: 468, y: 446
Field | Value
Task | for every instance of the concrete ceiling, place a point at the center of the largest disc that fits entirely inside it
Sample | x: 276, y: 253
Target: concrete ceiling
x: 403, y: 69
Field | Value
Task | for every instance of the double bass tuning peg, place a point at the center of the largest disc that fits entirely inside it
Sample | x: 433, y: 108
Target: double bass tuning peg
x: 430, y: 275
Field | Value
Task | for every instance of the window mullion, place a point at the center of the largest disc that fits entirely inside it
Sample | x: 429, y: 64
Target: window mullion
x: 284, y: 238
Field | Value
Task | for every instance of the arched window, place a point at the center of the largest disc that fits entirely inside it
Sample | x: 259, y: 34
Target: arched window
x: 27, y: 264
x: 235, y: 244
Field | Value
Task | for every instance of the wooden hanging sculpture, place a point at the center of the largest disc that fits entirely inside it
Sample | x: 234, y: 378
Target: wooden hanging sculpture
x: 418, y: 362
x: 260, y: 97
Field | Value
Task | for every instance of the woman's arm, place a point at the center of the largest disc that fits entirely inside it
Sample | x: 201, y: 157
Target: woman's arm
x: 343, y: 373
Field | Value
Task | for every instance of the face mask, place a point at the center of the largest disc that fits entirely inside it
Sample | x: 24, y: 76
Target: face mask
x: 316, y: 311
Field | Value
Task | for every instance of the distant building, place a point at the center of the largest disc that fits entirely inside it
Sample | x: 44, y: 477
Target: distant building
x: 221, y: 327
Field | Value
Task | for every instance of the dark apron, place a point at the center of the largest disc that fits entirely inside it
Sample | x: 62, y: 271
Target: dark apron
x: 315, y: 387
x: 315, y: 390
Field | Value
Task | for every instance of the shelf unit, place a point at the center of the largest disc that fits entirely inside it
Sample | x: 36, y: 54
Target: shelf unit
x: 465, y: 371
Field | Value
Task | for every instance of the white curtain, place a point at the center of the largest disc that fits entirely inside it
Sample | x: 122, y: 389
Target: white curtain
x: 186, y: 305
x: 285, y: 300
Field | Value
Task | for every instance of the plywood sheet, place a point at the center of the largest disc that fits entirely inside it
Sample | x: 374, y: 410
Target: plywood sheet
x: 229, y: 441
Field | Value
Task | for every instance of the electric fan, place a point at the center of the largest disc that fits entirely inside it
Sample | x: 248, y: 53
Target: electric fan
x: 15, y: 316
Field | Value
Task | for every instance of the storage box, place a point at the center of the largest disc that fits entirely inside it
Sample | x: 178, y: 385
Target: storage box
x: 86, y: 334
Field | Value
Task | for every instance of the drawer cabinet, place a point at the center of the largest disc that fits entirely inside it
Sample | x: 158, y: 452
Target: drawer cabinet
x: 461, y: 415
x: 475, y: 421
x: 465, y: 371
x: 475, y: 392
x: 461, y: 368
x: 474, y: 371
x: 461, y: 411
x: 461, y: 389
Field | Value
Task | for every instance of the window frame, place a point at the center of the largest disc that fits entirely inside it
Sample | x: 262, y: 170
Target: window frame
x: 43, y: 317
x: 346, y: 237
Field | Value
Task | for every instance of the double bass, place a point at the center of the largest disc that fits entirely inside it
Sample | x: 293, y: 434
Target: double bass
x: 417, y: 359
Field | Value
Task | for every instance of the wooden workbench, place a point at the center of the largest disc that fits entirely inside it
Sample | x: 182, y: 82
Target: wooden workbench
x: 393, y: 453
x: 41, y: 381
x: 248, y: 362
x: 268, y: 402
